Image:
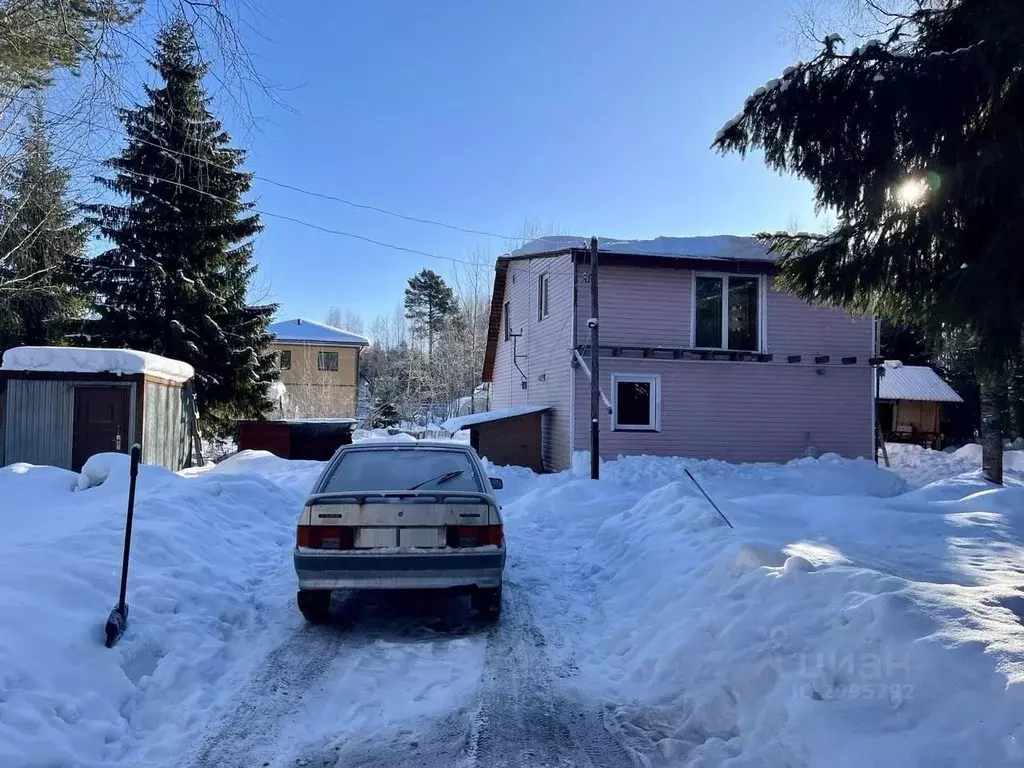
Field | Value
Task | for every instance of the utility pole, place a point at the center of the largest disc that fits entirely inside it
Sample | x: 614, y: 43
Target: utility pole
x: 595, y: 378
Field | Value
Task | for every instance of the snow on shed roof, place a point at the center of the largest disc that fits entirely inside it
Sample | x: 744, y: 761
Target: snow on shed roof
x: 914, y: 382
x: 461, y: 422
x: 94, y: 360
x: 725, y: 247
x: 308, y: 331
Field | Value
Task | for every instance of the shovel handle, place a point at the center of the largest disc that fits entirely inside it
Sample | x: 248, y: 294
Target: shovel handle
x: 133, y: 476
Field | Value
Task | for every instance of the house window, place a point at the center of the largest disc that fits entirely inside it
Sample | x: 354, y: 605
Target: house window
x: 284, y: 359
x: 636, y: 402
x: 542, y: 296
x: 508, y: 323
x: 727, y: 312
x: 327, y: 361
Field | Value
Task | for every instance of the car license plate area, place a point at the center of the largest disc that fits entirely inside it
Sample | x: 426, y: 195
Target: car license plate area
x: 421, y: 537
x: 373, y: 538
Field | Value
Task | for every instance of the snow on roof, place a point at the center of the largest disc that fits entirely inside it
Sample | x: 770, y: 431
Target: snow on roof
x: 726, y: 247
x: 461, y: 422
x: 304, y: 330
x: 94, y: 360
x: 914, y: 382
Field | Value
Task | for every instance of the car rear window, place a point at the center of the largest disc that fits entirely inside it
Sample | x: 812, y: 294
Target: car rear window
x: 399, y: 470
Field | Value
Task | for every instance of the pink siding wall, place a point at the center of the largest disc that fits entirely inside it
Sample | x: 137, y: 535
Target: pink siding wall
x: 544, y: 351
x: 652, y: 306
x: 740, y: 411
x: 731, y: 410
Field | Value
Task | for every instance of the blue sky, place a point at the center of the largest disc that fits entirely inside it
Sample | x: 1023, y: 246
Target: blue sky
x: 594, y: 116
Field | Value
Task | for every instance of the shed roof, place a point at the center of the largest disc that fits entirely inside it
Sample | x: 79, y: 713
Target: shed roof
x: 311, y: 332
x: 914, y: 382
x: 461, y: 422
x: 94, y: 360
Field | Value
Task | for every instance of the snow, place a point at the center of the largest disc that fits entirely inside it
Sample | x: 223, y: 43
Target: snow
x: 855, y: 616
x: 94, y: 360
x: 848, y: 620
x: 462, y: 422
x: 834, y: 38
x: 310, y: 331
x: 914, y: 382
x: 714, y: 247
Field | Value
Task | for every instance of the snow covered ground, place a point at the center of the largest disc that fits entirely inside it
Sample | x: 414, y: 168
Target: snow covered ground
x: 853, y: 616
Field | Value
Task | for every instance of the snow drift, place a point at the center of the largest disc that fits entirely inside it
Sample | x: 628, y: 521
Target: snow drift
x: 207, y: 557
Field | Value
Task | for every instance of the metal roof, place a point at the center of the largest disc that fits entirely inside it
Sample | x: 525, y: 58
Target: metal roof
x: 486, y: 417
x: 914, y: 382
x: 312, y: 332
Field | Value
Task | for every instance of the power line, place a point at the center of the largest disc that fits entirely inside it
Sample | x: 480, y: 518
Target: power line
x: 309, y: 192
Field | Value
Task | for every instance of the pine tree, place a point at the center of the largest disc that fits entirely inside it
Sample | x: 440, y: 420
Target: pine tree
x: 429, y: 306
x: 914, y: 143
x: 175, y: 281
x: 42, y: 242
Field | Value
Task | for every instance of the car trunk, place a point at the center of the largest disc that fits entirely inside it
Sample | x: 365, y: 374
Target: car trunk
x: 422, y: 522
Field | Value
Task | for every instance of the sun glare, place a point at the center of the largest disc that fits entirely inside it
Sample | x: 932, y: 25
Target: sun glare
x: 911, y: 192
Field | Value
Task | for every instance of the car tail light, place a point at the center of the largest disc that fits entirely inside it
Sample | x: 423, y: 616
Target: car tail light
x: 474, y: 535
x: 324, y: 537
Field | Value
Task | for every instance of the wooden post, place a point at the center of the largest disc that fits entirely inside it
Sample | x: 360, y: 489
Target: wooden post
x: 595, y: 377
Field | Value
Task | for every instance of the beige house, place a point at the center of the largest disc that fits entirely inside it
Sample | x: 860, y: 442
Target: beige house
x: 319, y: 369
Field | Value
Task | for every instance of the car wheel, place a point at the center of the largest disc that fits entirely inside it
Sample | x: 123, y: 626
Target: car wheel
x: 315, y: 604
x: 487, y: 602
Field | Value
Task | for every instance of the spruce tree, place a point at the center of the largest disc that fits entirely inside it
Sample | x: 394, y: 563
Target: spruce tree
x: 42, y: 242
x: 913, y: 143
x: 175, y: 281
x: 430, y: 305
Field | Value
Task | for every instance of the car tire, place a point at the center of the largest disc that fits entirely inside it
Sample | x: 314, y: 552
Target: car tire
x: 315, y: 604
x: 487, y: 601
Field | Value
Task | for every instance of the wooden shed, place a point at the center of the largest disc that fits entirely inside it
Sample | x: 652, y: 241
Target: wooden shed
x: 910, y: 400
x: 308, y: 439
x: 61, y: 405
x: 511, y: 436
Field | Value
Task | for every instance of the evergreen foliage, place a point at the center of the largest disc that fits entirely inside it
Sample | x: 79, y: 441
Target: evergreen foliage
x: 176, y: 280
x: 42, y: 243
x: 430, y: 306
x: 913, y: 143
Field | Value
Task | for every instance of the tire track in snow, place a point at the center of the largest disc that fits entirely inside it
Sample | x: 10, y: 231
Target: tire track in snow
x: 524, y: 715
x: 246, y: 735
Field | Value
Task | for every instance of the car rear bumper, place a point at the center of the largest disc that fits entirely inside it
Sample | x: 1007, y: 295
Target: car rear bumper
x: 402, y: 570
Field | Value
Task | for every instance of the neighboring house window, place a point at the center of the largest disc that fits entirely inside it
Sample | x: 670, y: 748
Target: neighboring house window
x: 284, y: 359
x: 508, y: 323
x: 636, y: 402
x: 727, y: 312
x: 327, y: 361
x: 542, y: 296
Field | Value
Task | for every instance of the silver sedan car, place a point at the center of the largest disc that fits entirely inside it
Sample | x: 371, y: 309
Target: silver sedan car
x: 401, y: 516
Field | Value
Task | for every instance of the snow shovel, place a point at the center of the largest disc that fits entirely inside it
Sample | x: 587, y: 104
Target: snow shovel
x: 118, y: 618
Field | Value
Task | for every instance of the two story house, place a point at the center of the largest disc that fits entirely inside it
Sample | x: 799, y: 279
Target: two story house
x: 319, y: 367
x: 700, y: 354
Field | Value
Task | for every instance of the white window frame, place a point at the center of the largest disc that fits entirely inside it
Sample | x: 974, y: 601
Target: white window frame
x: 543, y: 304
x: 762, y: 306
x: 654, y: 379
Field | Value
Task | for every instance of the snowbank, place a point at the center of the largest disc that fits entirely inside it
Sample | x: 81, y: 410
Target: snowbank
x: 210, y: 558
x: 844, y: 622
x: 94, y: 360
x: 921, y: 466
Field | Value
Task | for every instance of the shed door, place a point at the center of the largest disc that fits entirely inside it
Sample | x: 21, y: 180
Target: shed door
x: 101, y: 423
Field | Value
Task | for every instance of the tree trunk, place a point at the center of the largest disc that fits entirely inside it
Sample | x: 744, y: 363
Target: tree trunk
x: 991, y: 389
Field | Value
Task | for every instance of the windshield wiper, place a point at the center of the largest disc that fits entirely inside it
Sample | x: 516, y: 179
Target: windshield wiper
x: 439, y: 479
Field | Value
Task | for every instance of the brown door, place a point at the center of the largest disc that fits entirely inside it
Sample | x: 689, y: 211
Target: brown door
x: 101, y: 423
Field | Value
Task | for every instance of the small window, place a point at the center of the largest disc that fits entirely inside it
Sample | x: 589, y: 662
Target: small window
x: 636, y: 403
x: 542, y: 296
x: 327, y: 361
x: 508, y: 323
x: 284, y: 359
x: 727, y: 312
